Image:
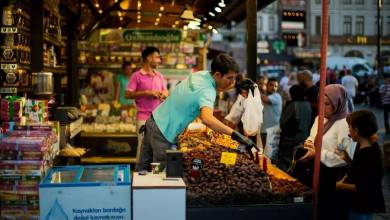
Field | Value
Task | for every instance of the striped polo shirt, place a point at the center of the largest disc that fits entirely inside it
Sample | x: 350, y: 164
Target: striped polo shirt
x: 385, y: 92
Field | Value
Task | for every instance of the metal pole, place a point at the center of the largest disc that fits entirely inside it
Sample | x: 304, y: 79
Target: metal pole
x: 378, y: 39
x: 318, y: 140
x: 251, y: 44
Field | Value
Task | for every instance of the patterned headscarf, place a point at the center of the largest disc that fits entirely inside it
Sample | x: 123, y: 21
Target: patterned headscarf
x: 338, y: 98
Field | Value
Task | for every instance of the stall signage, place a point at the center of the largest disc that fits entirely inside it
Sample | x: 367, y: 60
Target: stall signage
x: 9, y: 30
x: 12, y: 66
x: 228, y: 158
x: 152, y: 36
x: 8, y: 90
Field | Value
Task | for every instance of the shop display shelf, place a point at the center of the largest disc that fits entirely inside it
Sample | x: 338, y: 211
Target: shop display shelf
x: 105, y: 134
x: 53, y: 41
x: 55, y: 70
x: 301, y: 211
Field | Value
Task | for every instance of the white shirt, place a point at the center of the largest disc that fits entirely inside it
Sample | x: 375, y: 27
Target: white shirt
x: 350, y: 83
x: 331, y: 140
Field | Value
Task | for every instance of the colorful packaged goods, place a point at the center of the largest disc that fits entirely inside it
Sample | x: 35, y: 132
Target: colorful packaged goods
x: 37, y: 110
x: 12, y: 108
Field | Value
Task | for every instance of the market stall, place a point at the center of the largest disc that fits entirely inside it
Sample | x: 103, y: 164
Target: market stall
x: 50, y: 57
x: 223, y: 181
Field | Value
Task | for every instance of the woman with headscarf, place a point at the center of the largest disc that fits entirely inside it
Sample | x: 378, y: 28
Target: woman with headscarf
x: 294, y: 124
x: 333, y: 167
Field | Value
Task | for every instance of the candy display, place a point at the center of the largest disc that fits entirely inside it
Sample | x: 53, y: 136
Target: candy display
x: 12, y: 108
x: 26, y: 153
x: 36, y: 110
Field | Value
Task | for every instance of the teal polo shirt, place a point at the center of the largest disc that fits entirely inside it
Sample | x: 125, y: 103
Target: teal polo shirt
x: 184, y: 103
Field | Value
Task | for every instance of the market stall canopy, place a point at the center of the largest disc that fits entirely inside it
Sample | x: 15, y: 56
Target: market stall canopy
x: 147, y: 14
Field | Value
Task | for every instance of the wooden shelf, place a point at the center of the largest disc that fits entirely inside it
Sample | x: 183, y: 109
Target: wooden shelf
x: 55, y: 70
x: 101, y: 66
x: 53, y: 41
x: 105, y: 134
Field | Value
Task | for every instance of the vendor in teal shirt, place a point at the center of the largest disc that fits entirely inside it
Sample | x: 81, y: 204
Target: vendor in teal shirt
x: 121, y: 82
x: 193, y: 97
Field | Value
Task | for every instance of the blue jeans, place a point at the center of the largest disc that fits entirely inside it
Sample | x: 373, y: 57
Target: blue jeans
x: 356, y: 216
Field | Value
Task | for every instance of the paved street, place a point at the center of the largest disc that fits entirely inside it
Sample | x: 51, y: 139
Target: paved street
x: 386, y: 180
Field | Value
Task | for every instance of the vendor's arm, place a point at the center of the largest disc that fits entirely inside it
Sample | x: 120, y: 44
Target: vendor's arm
x: 135, y: 94
x: 207, y: 117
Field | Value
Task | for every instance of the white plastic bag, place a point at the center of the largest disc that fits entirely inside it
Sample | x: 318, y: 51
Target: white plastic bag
x: 252, y: 117
x: 236, y: 111
x: 272, y: 142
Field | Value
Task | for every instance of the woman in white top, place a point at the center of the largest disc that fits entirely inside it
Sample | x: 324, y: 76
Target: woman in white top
x: 335, y: 134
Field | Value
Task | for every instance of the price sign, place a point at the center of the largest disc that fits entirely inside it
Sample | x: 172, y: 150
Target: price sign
x: 228, y: 158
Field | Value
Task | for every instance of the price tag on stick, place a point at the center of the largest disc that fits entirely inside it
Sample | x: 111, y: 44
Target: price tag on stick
x: 228, y: 158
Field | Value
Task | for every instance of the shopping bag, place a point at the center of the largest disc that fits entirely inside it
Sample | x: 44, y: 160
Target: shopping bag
x: 272, y: 142
x: 236, y: 111
x: 252, y: 117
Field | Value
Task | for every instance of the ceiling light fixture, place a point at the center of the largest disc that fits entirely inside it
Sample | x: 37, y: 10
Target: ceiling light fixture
x: 138, y: 16
x: 211, y: 14
x: 173, y: 26
x: 121, y: 18
x: 222, y: 4
x: 125, y: 4
x: 156, y: 23
x: 138, y: 13
x: 100, y: 11
x: 176, y: 22
x: 173, y: 3
x: 210, y: 27
x: 215, y: 31
x: 97, y: 5
x: 218, y: 9
x: 160, y: 14
x: 158, y: 19
x: 162, y: 8
x: 187, y: 15
x: 138, y: 21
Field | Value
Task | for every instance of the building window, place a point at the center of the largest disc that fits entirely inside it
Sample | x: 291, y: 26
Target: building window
x: 318, y: 2
x: 260, y: 23
x: 347, y: 2
x: 318, y: 25
x: 347, y: 28
x: 360, y: 2
x: 388, y: 25
x: 271, y: 23
x: 359, y: 25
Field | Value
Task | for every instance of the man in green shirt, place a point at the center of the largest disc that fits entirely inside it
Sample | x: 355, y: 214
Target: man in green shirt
x: 193, y: 97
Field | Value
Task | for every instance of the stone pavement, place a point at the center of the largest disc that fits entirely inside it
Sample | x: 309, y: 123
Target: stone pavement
x: 386, y: 179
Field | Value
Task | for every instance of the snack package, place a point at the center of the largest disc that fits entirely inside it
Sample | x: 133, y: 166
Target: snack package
x: 36, y: 110
x: 12, y: 108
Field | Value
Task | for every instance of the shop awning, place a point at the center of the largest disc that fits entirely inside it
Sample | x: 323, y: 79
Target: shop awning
x: 156, y: 14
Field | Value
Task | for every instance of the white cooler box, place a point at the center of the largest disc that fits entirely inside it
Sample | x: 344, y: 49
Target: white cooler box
x: 86, y: 193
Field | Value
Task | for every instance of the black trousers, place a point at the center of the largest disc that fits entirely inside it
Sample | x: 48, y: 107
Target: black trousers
x: 328, y: 207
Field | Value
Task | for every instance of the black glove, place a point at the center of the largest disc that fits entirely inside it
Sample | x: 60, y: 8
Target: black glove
x: 241, y: 138
x: 245, y: 141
